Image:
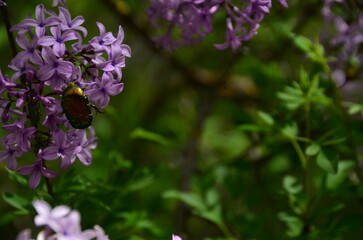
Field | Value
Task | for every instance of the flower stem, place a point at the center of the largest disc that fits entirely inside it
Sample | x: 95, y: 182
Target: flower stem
x: 226, y: 231
x: 299, y: 152
x: 4, y: 11
x: 307, y: 158
x: 48, y: 183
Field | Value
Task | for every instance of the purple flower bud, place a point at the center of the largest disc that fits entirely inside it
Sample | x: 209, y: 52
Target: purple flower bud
x: 25, y: 234
x: 4, y: 83
x: 60, y: 2
x: 9, y: 155
x: 176, y: 237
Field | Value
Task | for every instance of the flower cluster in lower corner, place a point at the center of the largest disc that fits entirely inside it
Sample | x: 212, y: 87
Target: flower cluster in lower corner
x: 59, y: 223
x: 62, y: 222
x: 175, y: 237
x: 194, y: 20
x: 53, y: 57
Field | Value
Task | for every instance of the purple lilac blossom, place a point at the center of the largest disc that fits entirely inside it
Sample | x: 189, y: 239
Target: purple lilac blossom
x: 53, y: 54
x: 194, y: 19
x: 344, y: 41
x: 60, y: 2
x: 37, y: 170
x: 63, y: 222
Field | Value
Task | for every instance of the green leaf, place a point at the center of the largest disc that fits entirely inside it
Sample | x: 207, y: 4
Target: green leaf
x: 213, y: 215
x: 288, y: 96
x: 313, y: 149
x: 294, y: 224
x: 16, y: 201
x: 251, y: 128
x: 355, y: 108
x: 290, y: 130
x: 291, y: 185
x: 328, y: 161
x: 17, y: 177
x: 212, y: 197
x: 314, y: 50
x: 303, y: 43
x: 344, y: 168
x: 140, y: 183
x: 140, y: 133
x: 7, y: 218
x: 333, y: 141
x: 266, y: 118
x: 292, y: 101
x: 194, y: 200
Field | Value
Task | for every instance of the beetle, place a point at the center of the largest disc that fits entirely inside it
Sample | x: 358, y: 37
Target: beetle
x: 76, y: 106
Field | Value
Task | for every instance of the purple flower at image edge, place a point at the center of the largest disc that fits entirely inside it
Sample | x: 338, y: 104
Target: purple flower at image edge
x: 194, y: 19
x: 176, y: 237
x: 60, y: 2
x: 63, y: 221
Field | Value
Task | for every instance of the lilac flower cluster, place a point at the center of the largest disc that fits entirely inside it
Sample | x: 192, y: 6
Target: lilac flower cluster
x: 343, y: 42
x: 54, y: 55
x: 60, y: 223
x: 194, y: 18
x: 63, y: 223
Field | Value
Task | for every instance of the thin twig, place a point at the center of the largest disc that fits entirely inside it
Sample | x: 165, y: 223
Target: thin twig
x: 4, y: 11
x: 48, y: 183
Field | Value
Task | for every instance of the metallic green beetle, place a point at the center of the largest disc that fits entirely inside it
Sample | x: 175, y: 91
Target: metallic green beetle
x: 76, y: 106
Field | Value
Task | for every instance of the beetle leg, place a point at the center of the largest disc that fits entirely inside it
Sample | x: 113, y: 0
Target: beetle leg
x: 96, y: 108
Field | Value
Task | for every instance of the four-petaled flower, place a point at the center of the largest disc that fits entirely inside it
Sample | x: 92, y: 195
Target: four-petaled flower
x: 57, y: 41
x: 20, y: 134
x: 60, y: 148
x: 101, y: 90
x: 40, y: 23
x: 47, y: 215
x: 37, y: 170
x: 54, y: 65
x: 10, y: 154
